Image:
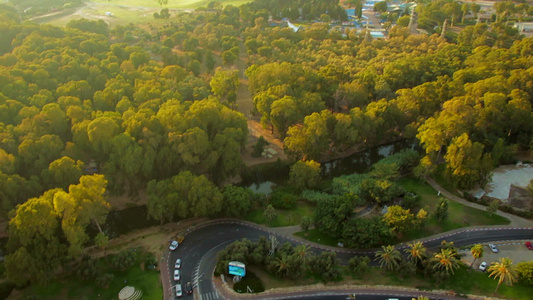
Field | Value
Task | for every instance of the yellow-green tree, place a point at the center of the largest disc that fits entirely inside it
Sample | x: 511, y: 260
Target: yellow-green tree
x: 84, y: 203
x: 477, y: 252
x: 398, y: 218
x: 305, y: 174
x: 224, y: 84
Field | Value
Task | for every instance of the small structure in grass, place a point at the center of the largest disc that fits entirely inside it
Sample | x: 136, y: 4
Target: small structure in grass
x: 129, y: 293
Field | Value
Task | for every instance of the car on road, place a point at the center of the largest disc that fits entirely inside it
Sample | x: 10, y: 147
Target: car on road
x: 173, y: 245
x: 483, y: 266
x: 177, y: 265
x: 188, y: 288
x: 493, y: 248
x: 176, y: 275
x: 529, y: 245
x: 179, y: 291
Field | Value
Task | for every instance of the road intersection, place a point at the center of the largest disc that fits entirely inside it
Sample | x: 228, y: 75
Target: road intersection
x: 199, y: 252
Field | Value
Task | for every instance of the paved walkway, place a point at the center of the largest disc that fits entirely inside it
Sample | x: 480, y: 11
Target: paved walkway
x: 516, y: 221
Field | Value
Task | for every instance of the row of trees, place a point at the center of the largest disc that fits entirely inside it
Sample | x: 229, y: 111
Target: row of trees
x: 442, y: 264
x: 289, y: 261
x: 48, y: 232
x: 187, y: 195
x: 300, y: 9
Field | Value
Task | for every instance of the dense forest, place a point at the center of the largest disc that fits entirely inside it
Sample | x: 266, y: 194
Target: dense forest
x: 153, y: 108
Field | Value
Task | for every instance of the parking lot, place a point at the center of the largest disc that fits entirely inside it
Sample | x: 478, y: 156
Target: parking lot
x: 517, y: 251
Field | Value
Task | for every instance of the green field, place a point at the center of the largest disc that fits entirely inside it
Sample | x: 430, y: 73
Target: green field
x: 148, y: 281
x: 318, y: 237
x: 171, y: 3
x: 459, y: 215
x: 125, y: 12
x: 286, y: 217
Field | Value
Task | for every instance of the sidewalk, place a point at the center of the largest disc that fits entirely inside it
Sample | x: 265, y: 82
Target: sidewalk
x: 227, y: 293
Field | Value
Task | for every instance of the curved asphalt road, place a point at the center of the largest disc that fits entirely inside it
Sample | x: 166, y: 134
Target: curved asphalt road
x: 199, y: 250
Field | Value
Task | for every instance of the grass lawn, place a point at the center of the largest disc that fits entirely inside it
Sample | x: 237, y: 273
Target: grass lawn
x: 74, y: 288
x: 474, y: 282
x: 132, y: 11
x: 121, y: 15
x: 286, y: 217
x: 318, y: 237
x: 443, y: 181
x: 459, y: 215
x: 173, y: 3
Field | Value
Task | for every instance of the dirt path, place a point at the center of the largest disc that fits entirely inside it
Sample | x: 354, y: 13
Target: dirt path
x: 245, y: 106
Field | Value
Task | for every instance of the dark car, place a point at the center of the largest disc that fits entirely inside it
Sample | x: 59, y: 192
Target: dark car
x: 529, y: 245
x: 188, y: 288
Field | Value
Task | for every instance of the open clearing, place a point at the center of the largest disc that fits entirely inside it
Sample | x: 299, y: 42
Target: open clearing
x: 504, y: 176
x: 123, y: 12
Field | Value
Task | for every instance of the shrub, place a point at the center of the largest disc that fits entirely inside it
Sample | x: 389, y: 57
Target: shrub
x: 5, y: 289
x: 104, y: 280
x: 259, y: 147
x: 314, y: 196
x: 124, y: 260
x: 87, y: 270
x: 250, y: 280
x: 283, y: 200
x: 410, y: 200
x: 306, y: 222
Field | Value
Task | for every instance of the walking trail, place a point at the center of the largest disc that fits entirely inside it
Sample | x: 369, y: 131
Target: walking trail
x: 516, y: 221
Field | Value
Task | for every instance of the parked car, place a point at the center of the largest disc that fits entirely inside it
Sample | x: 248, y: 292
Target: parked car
x: 176, y: 275
x: 173, y: 245
x: 529, y: 245
x: 493, y: 248
x: 179, y: 292
x: 483, y: 266
x: 177, y: 265
x: 188, y: 288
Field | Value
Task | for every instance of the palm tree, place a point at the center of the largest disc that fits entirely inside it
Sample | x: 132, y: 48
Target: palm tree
x: 283, y: 265
x: 302, y: 251
x: 445, y: 260
x: 477, y: 252
x: 389, y: 257
x: 420, y: 298
x: 416, y: 252
x: 503, y: 271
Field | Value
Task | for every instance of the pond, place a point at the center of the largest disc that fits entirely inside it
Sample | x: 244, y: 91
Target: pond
x: 261, y: 180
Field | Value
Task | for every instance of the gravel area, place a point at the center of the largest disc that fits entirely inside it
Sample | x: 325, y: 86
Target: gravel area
x: 504, y: 176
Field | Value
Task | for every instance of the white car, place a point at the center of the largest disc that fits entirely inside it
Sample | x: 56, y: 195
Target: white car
x: 483, y: 266
x: 493, y: 248
x: 173, y: 246
x: 176, y: 275
x: 177, y: 265
x: 179, y: 291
